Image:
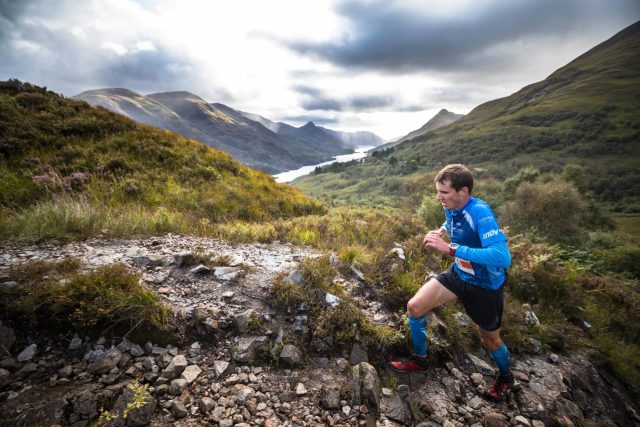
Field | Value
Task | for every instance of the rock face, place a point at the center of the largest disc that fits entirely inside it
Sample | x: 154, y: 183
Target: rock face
x: 231, y: 378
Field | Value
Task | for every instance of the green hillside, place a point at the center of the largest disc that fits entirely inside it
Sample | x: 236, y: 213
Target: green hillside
x: 67, y: 167
x: 586, y: 113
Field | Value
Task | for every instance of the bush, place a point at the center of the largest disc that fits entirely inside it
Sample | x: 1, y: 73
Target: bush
x: 431, y: 212
x: 621, y: 259
x: 108, y: 300
x: 526, y: 174
x: 553, y: 210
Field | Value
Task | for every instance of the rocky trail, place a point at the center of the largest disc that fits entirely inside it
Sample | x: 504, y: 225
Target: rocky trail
x: 218, y: 375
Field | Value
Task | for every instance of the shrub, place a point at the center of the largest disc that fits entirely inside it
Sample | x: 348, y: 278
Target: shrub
x: 526, y: 174
x: 621, y: 259
x: 431, y: 212
x: 108, y: 300
x: 552, y: 210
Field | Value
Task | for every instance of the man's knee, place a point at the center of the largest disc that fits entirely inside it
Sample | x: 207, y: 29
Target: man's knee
x: 414, y: 309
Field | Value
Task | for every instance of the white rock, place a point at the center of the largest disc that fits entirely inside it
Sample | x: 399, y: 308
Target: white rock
x: 191, y: 372
x: 220, y: 366
x: 28, y: 353
x: 301, y: 390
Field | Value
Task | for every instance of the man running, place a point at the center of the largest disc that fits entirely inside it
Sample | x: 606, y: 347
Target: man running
x: 476, y: 277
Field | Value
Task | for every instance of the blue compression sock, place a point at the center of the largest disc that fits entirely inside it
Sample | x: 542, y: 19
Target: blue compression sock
x: 501, y: 357
x: 418, y: 329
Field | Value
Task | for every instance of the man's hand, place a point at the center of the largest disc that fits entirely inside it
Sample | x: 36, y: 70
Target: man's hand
x: 433, y: 239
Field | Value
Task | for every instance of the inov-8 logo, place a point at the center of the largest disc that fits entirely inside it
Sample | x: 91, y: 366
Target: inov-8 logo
x: 490, y: 233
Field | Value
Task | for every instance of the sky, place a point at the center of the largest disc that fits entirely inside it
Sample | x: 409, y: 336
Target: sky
x: 383, y: 66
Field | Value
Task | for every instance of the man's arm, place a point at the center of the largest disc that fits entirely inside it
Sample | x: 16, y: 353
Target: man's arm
x: 496, y: 254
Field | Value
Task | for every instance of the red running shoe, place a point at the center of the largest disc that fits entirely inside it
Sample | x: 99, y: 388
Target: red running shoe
x: 501, y: 385
x: 414, y: 364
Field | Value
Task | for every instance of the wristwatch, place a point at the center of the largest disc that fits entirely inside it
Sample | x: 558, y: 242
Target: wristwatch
x: 452, y: 248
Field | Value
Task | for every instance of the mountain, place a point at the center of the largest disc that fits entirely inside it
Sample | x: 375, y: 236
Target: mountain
x: 585, y: 113
x: 442, y: 118
x: 343, y: 139
x: 58, y: 153
x: 218, y: 126
x: 250, y: 138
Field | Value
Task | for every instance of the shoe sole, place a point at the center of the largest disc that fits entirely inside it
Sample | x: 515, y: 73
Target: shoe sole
x: 399, y: 371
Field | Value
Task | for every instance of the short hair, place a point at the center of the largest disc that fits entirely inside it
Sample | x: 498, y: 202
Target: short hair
x: 459, y: 175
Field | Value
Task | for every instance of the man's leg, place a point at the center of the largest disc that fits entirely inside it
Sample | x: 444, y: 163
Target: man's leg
x: 500, y: 354
x: 431, y: 295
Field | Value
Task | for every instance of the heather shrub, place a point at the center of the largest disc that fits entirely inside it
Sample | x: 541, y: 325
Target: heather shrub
x: 552, y: 210
x: 431, y: 212
x: 107, y: 301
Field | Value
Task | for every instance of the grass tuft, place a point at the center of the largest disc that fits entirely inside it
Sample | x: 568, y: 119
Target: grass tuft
x: 105, y: 301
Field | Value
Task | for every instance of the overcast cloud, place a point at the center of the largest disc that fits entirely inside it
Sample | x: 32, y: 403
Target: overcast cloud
x: 384, y: 66
x: 398, y: 37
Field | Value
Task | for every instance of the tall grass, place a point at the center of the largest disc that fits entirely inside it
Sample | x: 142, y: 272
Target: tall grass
x: 71, y: 218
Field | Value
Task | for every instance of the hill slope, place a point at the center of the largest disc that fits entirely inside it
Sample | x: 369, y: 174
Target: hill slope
x: 584, y: 113
x: 56, y: 150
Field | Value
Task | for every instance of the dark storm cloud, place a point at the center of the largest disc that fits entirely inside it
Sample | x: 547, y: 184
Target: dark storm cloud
x: 322, y: 104
x: 307, y: 90
x: 316, y: 99
x: 385, y: 36
x: 10, y: 12
x: 369, y: 102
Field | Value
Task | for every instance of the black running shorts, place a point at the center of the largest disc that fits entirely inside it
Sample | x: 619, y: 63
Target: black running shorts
x: 484, y: 306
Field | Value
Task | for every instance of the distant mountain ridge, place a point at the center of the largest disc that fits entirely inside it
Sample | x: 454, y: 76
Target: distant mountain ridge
x: 249, y: 138
x: 442, y: 118
x: 348, y: 139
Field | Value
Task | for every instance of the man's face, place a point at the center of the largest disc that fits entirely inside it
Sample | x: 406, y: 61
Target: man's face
x: 449, y: 197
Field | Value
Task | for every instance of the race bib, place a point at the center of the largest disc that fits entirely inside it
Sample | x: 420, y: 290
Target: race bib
x: 465, y: 266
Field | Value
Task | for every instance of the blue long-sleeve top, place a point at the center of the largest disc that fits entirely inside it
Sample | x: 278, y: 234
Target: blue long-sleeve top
x: 483, y: 254
x: 496, y: 255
